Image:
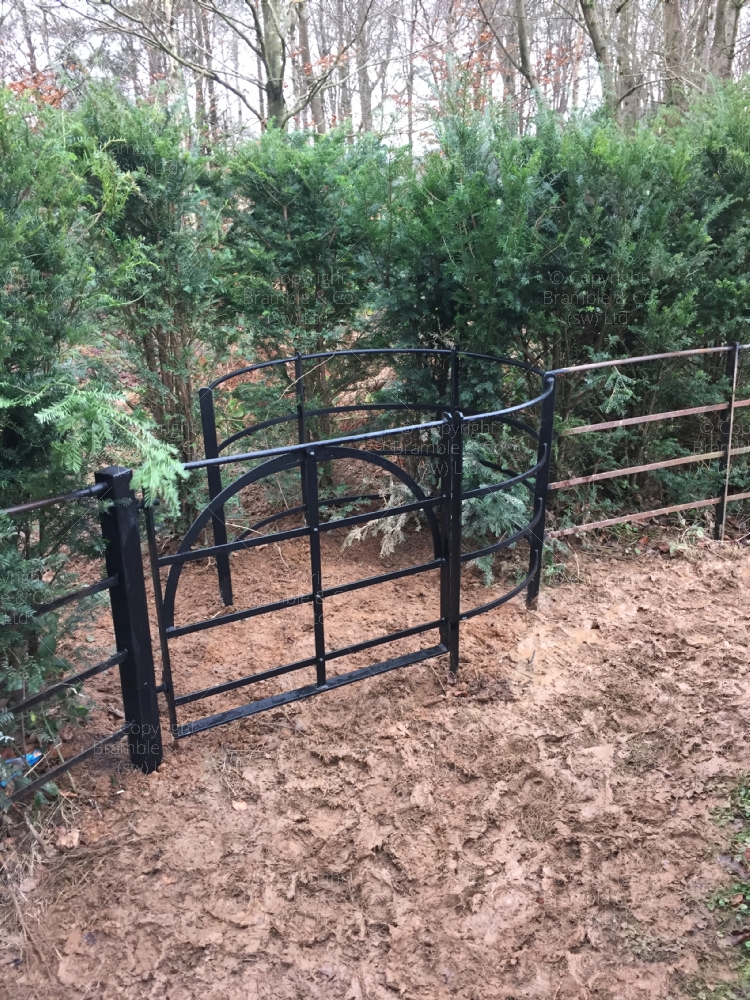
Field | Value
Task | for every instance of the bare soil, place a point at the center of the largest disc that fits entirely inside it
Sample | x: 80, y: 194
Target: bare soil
x: 541, y: 829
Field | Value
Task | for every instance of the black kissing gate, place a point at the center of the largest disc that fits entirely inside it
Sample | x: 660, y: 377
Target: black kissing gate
x: 443, y: 512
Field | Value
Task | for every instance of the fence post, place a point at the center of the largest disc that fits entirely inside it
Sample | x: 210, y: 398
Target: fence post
x: 455, y: 506
x: 299, y: 386
x: 536, y: 539
x: 727, y: 428
x: 456, y: 473
x: 213, y: 472
x: 119, y: 525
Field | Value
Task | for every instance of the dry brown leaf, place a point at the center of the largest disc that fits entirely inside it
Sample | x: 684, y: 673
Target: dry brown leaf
x: 69, y: 839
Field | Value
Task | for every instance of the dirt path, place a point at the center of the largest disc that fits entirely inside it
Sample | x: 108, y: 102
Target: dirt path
x: 541, y: 830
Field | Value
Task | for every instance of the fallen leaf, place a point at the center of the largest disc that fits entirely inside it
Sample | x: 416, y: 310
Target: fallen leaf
x: 239, y: 805
x: 66, y: 976
x: 69, y: 840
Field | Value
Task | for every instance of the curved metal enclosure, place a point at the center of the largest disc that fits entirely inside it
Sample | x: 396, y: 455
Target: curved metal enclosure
x: 443, y: 512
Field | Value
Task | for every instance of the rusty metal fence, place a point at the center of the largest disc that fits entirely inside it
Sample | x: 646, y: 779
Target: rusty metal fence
x: 724, y: 454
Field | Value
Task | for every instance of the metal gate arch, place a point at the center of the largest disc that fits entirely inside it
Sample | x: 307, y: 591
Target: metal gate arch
x: 443, y: 512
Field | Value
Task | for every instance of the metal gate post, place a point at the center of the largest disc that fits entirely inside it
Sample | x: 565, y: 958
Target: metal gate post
x: 299, y: 385
x: 536, y: 539
x: 213, y: 472
x: 445, y: 527
x: 310, y: 478
x: 456, y: 466
x: 119, y: 525
x: 455, y: 507
x: 727, y: 428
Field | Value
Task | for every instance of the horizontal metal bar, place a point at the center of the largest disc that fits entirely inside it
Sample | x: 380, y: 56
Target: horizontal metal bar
x: 483, y: 491
x: 299, y: 448
x: 240, y: 543
x: 631, y: 470
x: 500, y: 600
x: 88, y: 491
x: 375, y: 515
x: 645, y: 515
x: 353, y: 408
x: 650, y: 417
x: 186, y: 699
x: 509, y: 409
x: 77, y: 595
x: 287, y: 697
x: 506, y: 361
x: 51, y: 775
x: 404, y: 633
x: 614, y: 473
x: 326, y: 355
x: 369, y: 581
x: 645, y: 357
x: 175, y: 631
x: 256, y: 427
x: 497, y: 546
x: 335, y: 502
x: 83, y: 675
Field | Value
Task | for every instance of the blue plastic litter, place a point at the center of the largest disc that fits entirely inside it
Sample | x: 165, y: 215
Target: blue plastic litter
x: 29, y: 759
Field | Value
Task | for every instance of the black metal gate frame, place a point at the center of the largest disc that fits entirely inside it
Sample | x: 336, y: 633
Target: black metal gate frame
x: 118, y: 518
x: 306, y: 455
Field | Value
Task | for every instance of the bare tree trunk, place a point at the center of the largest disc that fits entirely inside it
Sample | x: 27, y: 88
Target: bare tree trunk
x: 261, y: 91
x: 345, y: 96
x: 410, y: 74
x: 28, y: 36
x: 725, y: 37
x: 274, y: 59
x: 213, y: 111
x: 628, y: 78
x: 601, y: 49
x: 733, y: 18
x: 363, y: 75
x: 673, y: 49
x: 316, y: 105
x: 173, y: 67
x: 201, y: 119
x: 524, y: 50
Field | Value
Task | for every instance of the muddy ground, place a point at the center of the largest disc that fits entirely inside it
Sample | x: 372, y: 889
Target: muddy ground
x: 541, y: 829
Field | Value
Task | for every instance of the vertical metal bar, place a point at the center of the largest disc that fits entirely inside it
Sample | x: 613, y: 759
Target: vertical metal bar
x: 445, y: 525
x: 454, y: 380
x: 299, y: 384
x: 213, y: 472
x: 456, y: 460
x: 166, y: 663
x: 536, y: 539
x: 119, y: 525
x: 310, y: 474
x: 727, y: 430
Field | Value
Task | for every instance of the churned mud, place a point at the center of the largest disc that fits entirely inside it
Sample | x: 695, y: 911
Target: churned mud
x: 541, y: 829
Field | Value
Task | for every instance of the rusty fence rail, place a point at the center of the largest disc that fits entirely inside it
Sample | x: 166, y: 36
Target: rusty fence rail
x: 725, y: 454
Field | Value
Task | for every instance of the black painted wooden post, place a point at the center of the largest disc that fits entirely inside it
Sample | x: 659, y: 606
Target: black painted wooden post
x: 119, y: 524
x: 213, y: 473
x: 536, y: 540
